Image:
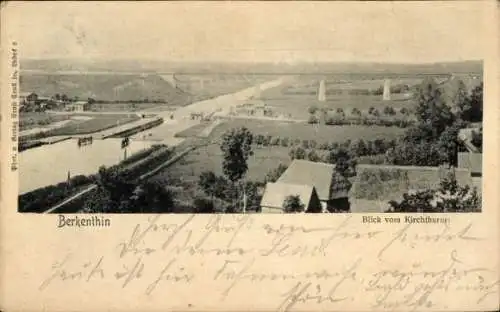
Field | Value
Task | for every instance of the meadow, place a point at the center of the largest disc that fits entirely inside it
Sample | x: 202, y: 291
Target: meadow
x: 77, y: 123
x: 304, y: 131
x: 29, y: 120
x: 185, y: 173
x: 304, y: 95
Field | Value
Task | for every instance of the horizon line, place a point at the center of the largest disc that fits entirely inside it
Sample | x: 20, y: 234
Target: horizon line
x: 244, y: 62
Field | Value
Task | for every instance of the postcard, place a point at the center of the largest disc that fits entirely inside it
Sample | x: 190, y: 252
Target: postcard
x: 249, y: 156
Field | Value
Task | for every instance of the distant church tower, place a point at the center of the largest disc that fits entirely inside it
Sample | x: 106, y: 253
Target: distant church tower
x: 387, y: 90
x: 322, y: 91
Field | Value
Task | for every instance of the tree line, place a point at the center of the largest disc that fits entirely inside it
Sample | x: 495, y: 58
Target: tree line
x: 374, y: 117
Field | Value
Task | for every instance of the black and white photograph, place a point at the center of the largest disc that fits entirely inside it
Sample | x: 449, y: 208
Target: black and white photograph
x: 162, y: 115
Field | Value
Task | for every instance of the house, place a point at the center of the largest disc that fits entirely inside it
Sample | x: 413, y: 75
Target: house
x: 465, y: 136
x: 28, y: 97
x: 472, y: 162
x: 332, y: 188
x: 376, y: 185
x: 78, y: 106
x: 196, y: 116
x: 276, y: 193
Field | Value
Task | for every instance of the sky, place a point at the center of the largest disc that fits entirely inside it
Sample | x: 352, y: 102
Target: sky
x: 410, y: 32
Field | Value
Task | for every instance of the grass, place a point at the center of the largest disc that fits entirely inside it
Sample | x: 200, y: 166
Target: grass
x: 129, y: 107
x: 31, y: 120
x: 297, y: 104
x: 304, y: 131
x: 185, y: 173
x: 98, y: 123
x: 193, y: 131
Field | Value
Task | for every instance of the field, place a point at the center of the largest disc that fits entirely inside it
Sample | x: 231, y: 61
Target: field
x: 297, y: 96
x: 97, y: 123
x: 131, y: 107
x: 29, y: 120
x: 185, y: 173
x: 304, y: 131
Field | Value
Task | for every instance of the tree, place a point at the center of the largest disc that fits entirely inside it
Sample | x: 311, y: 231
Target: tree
x: 431, y: 108
x: 313, y: 156
x: 297, y: 153
x: 404, y: 111
x: 477, y: 138
x: 460, y: 99
x: 203, y: 205
x: 293, y: 204
x: 207, y: 182
x: 388, y: 110
x: 356, y: 112
x: 449, y: 197
x: 359, y: 148
x: 312, y: 119
x: 341, y: 158
x: 312, y: 110
x: 237, y: 147
x: 151, y: 197
x: 274, y: 174
x: 448, y: 144
x: 285, y: 142
x: 472, y: 107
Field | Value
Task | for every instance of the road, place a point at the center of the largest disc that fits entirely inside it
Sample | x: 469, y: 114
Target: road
x: 182, y: 116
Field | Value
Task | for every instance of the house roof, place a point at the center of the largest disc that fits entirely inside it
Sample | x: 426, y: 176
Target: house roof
x: 471, y: 161
x: 383, y: 182
x: 275, y: 194
x: 78, y: 103
x: 315, y: 174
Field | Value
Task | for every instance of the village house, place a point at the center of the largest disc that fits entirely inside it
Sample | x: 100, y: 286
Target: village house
x: 276, y: 193
x: 29, y: 98
x: 376, y: 185
x: 78, y: 106
x: 331, y: 188
x: 472, y: 162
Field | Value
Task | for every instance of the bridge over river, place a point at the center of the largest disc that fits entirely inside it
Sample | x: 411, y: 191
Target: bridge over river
x: 50, y: 164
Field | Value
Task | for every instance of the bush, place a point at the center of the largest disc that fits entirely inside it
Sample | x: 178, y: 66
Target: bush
x: 285, y: 142
x: 312, y: 110
x: 312, y: 119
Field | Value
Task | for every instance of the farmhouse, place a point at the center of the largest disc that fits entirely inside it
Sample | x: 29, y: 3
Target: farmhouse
x: 332, y: 189
x: 78, y: 106
x: 472, y: 162
x: 376, y: 185
x: 28, y: 97
x: 276, y: 193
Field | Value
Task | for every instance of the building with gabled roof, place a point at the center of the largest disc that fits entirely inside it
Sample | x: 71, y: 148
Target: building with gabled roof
x: 471, y: 161
x: 315, y: 174
x: 276, y: 193
x: 332, y: 188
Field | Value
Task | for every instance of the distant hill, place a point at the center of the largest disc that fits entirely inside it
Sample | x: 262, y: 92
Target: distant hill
x: 475, y: 66
x: 108, y: 87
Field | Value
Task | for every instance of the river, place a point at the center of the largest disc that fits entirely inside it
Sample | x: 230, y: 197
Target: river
x: 50, y: 164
